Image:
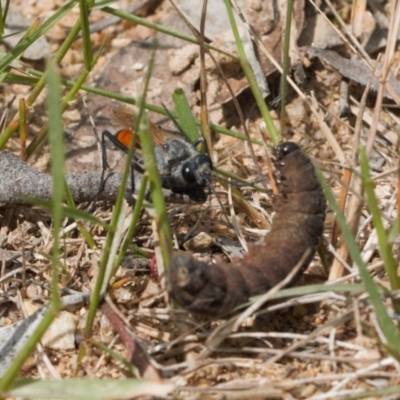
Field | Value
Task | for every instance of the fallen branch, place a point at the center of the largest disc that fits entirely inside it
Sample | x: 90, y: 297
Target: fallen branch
x: 19, y: 182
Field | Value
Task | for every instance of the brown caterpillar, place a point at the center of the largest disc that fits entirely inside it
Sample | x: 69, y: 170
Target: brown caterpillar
x: 297, y: 226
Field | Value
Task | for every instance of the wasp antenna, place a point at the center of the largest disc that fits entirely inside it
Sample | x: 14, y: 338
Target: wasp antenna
x: 240, y: 185
x: 102, y: 152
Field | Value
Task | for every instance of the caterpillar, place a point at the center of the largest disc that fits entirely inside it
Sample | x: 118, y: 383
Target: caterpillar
x: 297, y: 228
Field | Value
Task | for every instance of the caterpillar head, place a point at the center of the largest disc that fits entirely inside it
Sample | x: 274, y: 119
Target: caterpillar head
x: 284, y: 149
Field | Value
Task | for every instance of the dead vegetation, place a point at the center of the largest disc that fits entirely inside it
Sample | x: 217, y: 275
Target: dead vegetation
x: 308, y: 342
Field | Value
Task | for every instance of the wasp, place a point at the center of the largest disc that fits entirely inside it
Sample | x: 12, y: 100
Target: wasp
x: 183, y: 169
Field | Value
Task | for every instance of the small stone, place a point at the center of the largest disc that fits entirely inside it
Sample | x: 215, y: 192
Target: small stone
x: 202, y: 241
x: 61, y: 334
x: 138, y: 66
x: 31, y: 291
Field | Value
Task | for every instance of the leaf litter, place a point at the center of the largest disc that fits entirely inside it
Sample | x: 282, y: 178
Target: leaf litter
x: 313, y: 347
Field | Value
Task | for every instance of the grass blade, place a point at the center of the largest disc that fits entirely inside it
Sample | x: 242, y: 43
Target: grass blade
x: 286, y: 60
x: 56, y: 139
x: 251, y: 79
x: 150, y: 163
x: 385, y: 322
x: 185, y: 117
x: 57, y: 152
x: 36, y: 34
x: 87, y: 45
x: 385, y: 247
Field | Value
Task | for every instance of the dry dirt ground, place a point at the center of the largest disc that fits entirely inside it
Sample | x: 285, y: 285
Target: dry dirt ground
x: 315, y: 346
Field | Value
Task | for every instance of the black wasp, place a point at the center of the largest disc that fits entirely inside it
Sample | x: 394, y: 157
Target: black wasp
x: 182, y: 168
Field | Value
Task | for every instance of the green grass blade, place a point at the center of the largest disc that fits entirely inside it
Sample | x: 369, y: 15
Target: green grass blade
x: 117, y: 356
x: 90, y: 389
x: 71, y: 212
x: 39, y: 83
x: 160, y: 28
x: 185, y: 117
x: 2, y: 21
x: 87, y: 45
x: 317, y: 288
x: 40, y: 31
x: 105, y: 266
x: 385, y: 322
x: 385, y: 246
x: 113, y: 248
x: 251, y: 79
x: 57, y: 152
x: 156, y: 191
x: 132, y: 227
x: 286, y: 60
x: 12, y: 78
x: 105, y: 269
x: 384, y: 243
x: 150, y: 163
x: 36, y: 142
x: 6, y: 8
x: 84, y: 232
x: 7, y: 380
